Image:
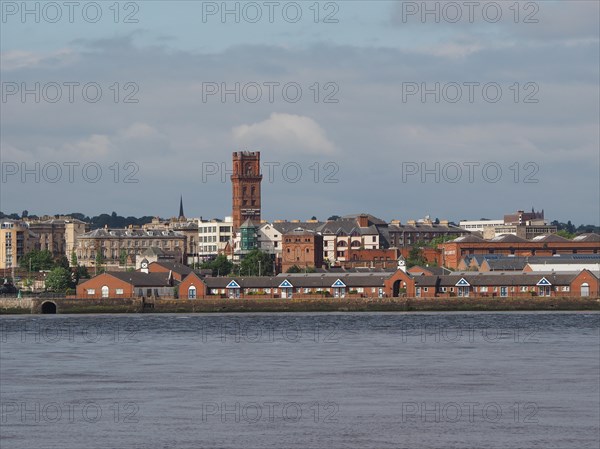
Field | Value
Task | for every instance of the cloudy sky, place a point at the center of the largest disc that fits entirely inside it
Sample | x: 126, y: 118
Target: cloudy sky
x: 400, y: 109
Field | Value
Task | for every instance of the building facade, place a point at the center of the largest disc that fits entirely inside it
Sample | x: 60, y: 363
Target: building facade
x: 213, y: 237
x: 302, y: 248
x: 16, y: 240
x: 58, y: 235
x: 245, y: 182
x: 423, y: 231
x: 509, y: 245
x: 119, y: 247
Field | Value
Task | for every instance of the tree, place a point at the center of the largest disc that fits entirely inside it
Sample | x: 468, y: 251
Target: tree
x: 313, y: 217
x: 62, y: 261
x: 58, y: 280
x: 256, y: 263
x: 37, y: 260
x: 74, y: 261
x: 99, y: 262
x: 566, y: 234
x: 333, y: 218
x: 123, y: 257
x: 415, y: 257
x: 441, y: 239
x: 220, y: 266
x: 81, y: 272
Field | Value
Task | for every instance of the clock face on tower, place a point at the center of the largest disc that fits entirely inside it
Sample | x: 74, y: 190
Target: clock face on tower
x: 144, y: 264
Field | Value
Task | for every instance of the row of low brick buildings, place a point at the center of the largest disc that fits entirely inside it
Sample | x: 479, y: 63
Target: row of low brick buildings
x: 169, y: 279
x: 453, y: 252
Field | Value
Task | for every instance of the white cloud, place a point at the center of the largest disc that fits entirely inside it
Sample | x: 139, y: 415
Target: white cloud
x: 285, y: 132
x: 140, y: 131
x: 20, y: 59
x: 451, y: 50
x: 97, y: 146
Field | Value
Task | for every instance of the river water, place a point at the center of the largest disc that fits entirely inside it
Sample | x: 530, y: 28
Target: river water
x: 347, y: 380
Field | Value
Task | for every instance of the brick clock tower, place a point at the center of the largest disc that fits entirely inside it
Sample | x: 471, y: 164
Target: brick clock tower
x: 245, y: 183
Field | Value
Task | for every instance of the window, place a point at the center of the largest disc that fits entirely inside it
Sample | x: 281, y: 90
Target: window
x: 119, y: 291
x: 91, y: 291
x: 192, y: 292
x: 105, y: 291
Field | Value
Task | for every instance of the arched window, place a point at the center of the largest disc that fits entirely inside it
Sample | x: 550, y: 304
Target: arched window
x: 104, y: 291
x: 192, y: 292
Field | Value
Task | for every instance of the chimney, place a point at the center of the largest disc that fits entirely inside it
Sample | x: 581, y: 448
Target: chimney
x: 363, y: 220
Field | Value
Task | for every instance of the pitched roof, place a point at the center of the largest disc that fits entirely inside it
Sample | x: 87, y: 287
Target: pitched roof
x: 372, y: 219
x: 508, y: 238
x: 130, y: 233
x: 248, y: 224
x: 587, y: 238
x: 550, y: 238
x: 141, y: 279
x: 467, y: 239
x: 495, y: 279
x: 346, y: 226
x: 286, y: 226
x: 174, y: 267
x: 302, y: 280
x: 507, y: 263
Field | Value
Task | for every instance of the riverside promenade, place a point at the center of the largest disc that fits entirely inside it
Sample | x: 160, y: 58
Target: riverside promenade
x: 58, y: 305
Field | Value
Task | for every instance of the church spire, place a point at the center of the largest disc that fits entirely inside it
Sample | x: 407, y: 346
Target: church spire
x: 181, y: 215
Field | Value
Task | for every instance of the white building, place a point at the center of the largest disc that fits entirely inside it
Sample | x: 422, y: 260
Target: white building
x: 480, y: 225
x: 213, y: 236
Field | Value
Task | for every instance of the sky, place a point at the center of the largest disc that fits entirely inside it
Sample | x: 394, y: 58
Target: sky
x: 400, y: 109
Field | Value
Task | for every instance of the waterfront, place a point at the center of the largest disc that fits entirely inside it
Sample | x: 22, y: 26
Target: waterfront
x: 358, y: 380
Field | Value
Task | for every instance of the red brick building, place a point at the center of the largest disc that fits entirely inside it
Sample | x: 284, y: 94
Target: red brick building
x: 192, y: 287
x: 302, y: 248
x: 371, y: 258
x: 469, y: 284
x: 382, y: 284
x: 127, y: 284
x: 544, y: 245
x: 178, y: 270
x: 245, y: 183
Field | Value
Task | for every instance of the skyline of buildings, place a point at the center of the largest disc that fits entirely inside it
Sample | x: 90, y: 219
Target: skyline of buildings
x: 356, y: 240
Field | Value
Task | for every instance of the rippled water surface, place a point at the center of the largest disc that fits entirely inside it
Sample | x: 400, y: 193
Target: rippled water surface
x: 365, y: 380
